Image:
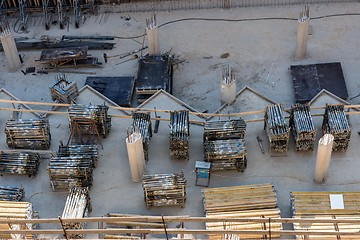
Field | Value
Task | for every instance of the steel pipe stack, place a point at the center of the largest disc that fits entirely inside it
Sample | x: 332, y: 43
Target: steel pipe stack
x: 179, y: 134
x: 11, y: 194
x: 63, y: 91
x: 336, y: 123
x: 142, y: 124
x: 276, y: 129
x: 23, y: 163
x: 302, y: 127
x: 164, y: 189
x: 28, y: 134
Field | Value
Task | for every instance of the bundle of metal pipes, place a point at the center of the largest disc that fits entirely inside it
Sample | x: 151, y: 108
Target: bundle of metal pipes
x: 77, y: 205
x: 24, y: 163
x: 276, y: 129
x: 164, y: 189
x: 87, y: 151
x: 302, y: 127
x: 63, y: 91
x: 28, y: 134
x: 336, y: 123
x: 179, y: 134
x: 11, y: 194
x: 226, y: 129
x: 142, y: 124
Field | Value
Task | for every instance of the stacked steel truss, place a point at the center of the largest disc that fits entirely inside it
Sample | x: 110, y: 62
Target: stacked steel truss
x: 179, y: 134
x: 142, y: 124
x: 23, y: 163
x: 11, y: 194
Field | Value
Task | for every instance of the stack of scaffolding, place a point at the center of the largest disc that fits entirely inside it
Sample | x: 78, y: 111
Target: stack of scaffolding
x: 77, y: 206
x: 63, y: 91
x: 326, y: 205
x: 276, y: 129
x: 224, y: 144
x: 302, y: 127
x: 179, y: 134
x: 86, y: 151
x: 23, y: 163
x: 142, y: 124
x: 28, y: 134
x: 164, y: 189
x: 336, y: 124
x: 252, y: 201
x: 11, y: 194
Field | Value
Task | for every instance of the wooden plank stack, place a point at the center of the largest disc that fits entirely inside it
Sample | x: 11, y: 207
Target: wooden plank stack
x: 302, y: 127
x: 11, y: 194
x: 252, y: 201
x: 23, y: 163
x: 164, y: 189
x: 317, y: 205
x: 336, y: 123
x: 28, y: 133
x: 142, y: 124
x: 276, y: 129
x: 179, y: 134
x: 63, y: 91
x: 224, y: 144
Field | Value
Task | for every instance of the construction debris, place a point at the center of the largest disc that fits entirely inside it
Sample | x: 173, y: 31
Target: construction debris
x: 11, y: 194
x: 63, y: 91
x: 179, y: 134
x: 336, y: 123
x: 28, y: 133
x: 164, y: 189
x: 142, y: 124
x: 276, y: 129
x: 302, y: 127
x: 23, y: 163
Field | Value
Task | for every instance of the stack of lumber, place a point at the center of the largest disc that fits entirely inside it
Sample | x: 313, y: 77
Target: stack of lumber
x: 316, y: 205
x: 142, y: 124
x: 224, y: 144
x: 251, y: 201
x: 164, y: 189
x: 11, y: 194
x: 302, y: 127
x: 28, y: 134
x: 336, y: 124
x: 23, y: 163
x: 63, y: 91
x: 276, y: 129
x: 179, y: 134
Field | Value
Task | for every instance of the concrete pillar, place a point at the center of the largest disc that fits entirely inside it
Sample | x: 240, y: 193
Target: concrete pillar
x: 136, y: 156
x: 228, y: 86
x: 10, y: 49
x: 152, y: 35
x: 302, y: 34
x: 323, y: 157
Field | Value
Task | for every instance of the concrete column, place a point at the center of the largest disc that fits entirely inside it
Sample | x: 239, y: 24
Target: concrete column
x: 302, y: 34
x: 136, y: 156
x: 152, y: 35
x: 323, y: 157
x: 228, y: 86
x: 10, y: 49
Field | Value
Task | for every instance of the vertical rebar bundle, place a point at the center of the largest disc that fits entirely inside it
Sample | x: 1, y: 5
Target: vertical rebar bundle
x: 63, y: 91
x: 23, y: 163
x: 47, y: 14
x: 302, y: 127
x: 61, y: 14
x: 228, y: 85
x: 142, y: 124
x: 11, y: 194
x: 302, y: 34
x: 179, y: 134
x: 152, y: 35
x: 276, y: 129
x: 336, y: 123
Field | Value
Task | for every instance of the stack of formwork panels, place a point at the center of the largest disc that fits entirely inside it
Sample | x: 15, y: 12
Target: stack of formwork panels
x: 142, y: 124
x: 276, y: 129
x: 251, y: 201
x: 11, y: 193
x: 336, y: 123
x: 63, y: 91
x: 224, y: 144
x: 179, y: 134
x: 302, y: 127
x: 164, y: 189
x: 326, y: 205
x: 28, y: 133
x: 23, y: 163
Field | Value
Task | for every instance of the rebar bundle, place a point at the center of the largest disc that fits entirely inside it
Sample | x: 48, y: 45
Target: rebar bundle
x: 11, y: 194
x: 63, y: 91
x: 23, y: 163
x: 164, y: 189
x: 336, y: 123
x: 28, y: 134
x: 142, y: 124
x: 87, y: 151
x: 151, y: 22
x: 302, y: 127
x: 276, y: 129
x: 179, y: 134
x: 227, y: 129
x: 228, y: 75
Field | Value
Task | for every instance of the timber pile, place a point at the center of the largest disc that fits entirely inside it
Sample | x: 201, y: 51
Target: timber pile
x: 179, y: 134
x: 63, y: 91
x: 252, y: 201
x: 77, y: 206
x: 318, y: 205
x: 11, y: 194
x: 302, y: 127
x: 276, y: 129
x: 28, y: 134
x: 224, y: 144
x: 142, y: 124
x: 336, y: 124
x: 23, y: 163
x: 164, y: 189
